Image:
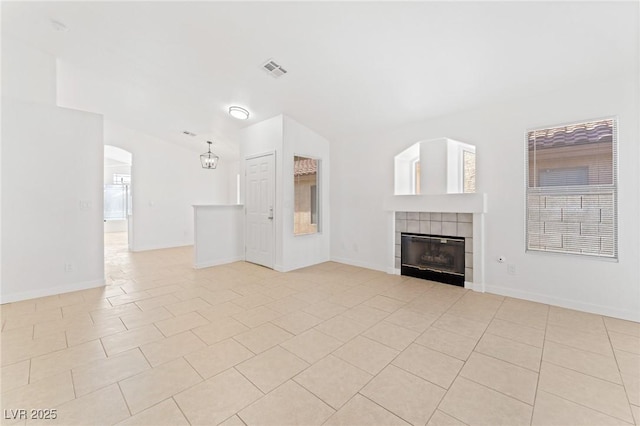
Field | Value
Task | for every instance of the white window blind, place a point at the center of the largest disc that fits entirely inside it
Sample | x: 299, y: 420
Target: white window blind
x: 572, y: 189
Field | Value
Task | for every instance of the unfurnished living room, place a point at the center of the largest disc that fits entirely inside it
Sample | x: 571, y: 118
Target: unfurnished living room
x: 320, y: 213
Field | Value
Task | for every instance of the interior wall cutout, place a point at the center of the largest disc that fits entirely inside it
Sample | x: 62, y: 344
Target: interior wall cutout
x: 407, y: 171
x: 437, y: 166
x: 117, y: 193
x: 306, y: 217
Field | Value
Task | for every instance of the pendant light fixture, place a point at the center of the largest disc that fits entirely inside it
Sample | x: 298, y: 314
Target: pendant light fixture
x: 209, y: 160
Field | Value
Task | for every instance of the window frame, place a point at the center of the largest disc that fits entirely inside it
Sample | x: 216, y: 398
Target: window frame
x: 126, y: 179
x: 416, y: 172
x: 463, y: 177
x: 575, y: 190
x: 319, y: 203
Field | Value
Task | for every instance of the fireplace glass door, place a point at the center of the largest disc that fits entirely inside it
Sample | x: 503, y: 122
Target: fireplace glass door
x: 433, y: 257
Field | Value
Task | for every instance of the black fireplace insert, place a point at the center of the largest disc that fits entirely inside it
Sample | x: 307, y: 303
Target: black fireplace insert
x: 433, y: 257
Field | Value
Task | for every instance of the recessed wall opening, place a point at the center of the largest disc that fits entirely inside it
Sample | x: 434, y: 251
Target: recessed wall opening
x: 306, y: 173
x: 436, y: 166
x: 118, y: 200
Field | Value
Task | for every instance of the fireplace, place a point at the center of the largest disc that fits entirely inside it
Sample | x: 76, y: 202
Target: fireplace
x: 433, y: 257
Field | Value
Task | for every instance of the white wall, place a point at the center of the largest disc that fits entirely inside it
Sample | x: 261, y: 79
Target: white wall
x: 261, y: 138
x: 27, y: 74
x: 51, y: 200
x: 166, y: 181
x: 52, y: 239
x: 434, y: 158
x: 219, y: 235
x: 288, y: 138
x: 359, y: 224
x: 405, y: 170
x: 304, y: 250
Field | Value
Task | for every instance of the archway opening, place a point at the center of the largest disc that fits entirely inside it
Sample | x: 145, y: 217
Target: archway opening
x: 118, y: 213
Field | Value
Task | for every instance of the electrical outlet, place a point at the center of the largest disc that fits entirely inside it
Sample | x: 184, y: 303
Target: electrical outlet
x: 511, y: 269
x: 68, y: 267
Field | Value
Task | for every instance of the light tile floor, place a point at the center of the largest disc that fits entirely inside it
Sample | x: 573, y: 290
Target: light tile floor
x: 164, y: 344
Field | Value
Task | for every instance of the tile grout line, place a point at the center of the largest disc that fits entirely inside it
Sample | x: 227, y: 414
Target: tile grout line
x: 384, y: 408
x: 125, y: 399
x: 391, y: 363
x: 585, y: 406
x: 184, y: 357
x: 465, y: 363
x: 172, y: 397
x: 73, y: 385
x: 615, y: 357
x: 507, y: 362
x: 373, y: 376
x: 249, y: 380
x: 29, y: 376
x: 586, y: 374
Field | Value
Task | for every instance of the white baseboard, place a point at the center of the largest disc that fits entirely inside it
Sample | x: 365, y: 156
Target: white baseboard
x: 279, y: 268
x: 565, y: 303
x: 218, y: 262
x: 50, y: 291
x: 479, y: 287
x: 360, y: 264
x: 159, y: 246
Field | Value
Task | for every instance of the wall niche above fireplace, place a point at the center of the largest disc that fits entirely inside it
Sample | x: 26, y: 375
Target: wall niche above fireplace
x: 436, y: 166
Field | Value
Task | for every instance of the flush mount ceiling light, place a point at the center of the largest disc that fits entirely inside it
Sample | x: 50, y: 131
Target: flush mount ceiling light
x: 239, y: 113
x: 209, y: 160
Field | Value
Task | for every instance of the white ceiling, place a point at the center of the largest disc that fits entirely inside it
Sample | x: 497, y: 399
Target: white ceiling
x: 354, y: 67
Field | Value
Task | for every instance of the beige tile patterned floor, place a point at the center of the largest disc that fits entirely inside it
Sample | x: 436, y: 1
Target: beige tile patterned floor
x: 164, y: 344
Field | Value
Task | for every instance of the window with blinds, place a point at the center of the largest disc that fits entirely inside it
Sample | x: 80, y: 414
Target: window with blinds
x: 572, y: 189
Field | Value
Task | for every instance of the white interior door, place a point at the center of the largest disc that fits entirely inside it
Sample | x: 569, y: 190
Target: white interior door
x: 259, y: 210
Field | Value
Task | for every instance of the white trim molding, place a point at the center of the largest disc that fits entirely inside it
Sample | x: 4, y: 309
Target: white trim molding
x: 565, y: 303
x: 51, y: 291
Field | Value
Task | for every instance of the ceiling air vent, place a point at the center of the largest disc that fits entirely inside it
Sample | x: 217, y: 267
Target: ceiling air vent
x: 274, y: 69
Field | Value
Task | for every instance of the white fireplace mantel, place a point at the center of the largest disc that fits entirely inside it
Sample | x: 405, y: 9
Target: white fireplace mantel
x: 443, y: 203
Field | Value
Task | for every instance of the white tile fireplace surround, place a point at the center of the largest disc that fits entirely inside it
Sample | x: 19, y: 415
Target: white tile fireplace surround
x: 459, y: 215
